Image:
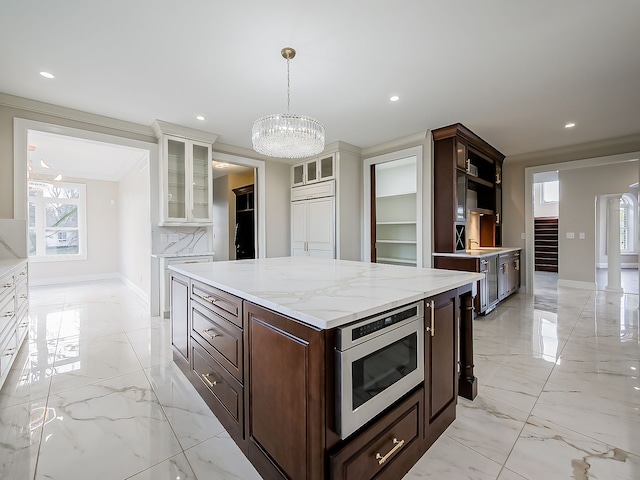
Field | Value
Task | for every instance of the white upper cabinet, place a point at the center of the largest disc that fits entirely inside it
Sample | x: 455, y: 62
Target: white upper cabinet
x: 313, y: 170
x: 185, y: 177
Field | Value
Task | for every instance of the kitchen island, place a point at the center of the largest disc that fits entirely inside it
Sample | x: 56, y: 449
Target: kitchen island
x: 260, y: 340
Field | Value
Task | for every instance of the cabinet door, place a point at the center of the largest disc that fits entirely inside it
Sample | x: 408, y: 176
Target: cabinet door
x: 441, y: 356
x: 175, y: 185
x: 311, y: 168
x: 320, y: 219
x: 299, y: 228
x: 503, y: 276
x: 287, y: 370
x: 180, y: 315
x: 461, y: 154
x: 326, y: 168
x: 297, y: 175
x: 201, y: 182
x: 461, y: 197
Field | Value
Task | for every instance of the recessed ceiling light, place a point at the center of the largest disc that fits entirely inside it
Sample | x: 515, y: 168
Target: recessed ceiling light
x: 222, y: 165
x: 570, y: 125
x: 394, y: 98
x: 201, y: 118
x: 47, y: 75
x: 58, y: 178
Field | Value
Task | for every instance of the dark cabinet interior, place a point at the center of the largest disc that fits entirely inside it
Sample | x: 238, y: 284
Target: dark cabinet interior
x: 244, y: 236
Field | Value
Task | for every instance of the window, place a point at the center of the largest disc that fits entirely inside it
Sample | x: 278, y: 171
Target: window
x: 551, y: 192
x: 627, y: 224
x: 57, y: 229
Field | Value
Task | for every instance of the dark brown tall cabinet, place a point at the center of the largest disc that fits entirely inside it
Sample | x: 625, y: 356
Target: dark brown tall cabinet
x: 467, y: 180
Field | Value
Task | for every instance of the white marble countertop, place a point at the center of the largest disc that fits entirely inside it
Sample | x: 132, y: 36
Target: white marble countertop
x: 8, y: 265
x: 325, y: 293
x: 182, y: 254
x: 479, y: 252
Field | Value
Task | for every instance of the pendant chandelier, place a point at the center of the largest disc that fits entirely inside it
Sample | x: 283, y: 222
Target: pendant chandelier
x: 286, y: 135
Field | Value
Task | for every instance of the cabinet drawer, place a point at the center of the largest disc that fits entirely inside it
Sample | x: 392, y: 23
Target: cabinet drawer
x: 8, y: 349
x: 22, y: 323
x: 393, y: 437
x: 221, y: 338
x: 221, y: 389
x: 20, y: 276
x: 7, y: 312
x: 6, y: 285
x: 22, y: 296
x: 224, y: 304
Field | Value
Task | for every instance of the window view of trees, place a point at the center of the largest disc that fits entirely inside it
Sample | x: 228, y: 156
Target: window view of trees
x: 55, y: 219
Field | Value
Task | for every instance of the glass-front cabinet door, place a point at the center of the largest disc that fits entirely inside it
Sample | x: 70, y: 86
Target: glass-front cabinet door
x: 176, y: 197
x: 187, y: 182
x: 201, y: 182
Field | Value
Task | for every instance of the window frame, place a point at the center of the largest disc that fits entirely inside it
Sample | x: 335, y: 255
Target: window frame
x: 40, y: 202
x: 542, y: 195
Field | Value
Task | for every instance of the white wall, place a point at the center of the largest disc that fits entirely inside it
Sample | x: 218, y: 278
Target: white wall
x: 221, y: 218
x: 578, y: 191
x: 278, y: 208
x: 103, y: 240
x: 135, y: 228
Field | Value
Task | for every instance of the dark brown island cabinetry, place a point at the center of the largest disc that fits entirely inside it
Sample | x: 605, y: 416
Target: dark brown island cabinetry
x: 271, y: 381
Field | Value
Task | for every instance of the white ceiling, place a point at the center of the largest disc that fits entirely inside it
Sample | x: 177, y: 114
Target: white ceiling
x: 51, y: 154
x: 514, y: 72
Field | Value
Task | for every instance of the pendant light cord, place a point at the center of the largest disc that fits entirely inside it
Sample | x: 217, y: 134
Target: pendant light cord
x: 288, y: 89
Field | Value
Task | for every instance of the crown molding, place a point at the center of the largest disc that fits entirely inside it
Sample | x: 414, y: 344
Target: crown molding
x: 160, y: 127
x: 36, y: 106
x: 628, y: 143
x: 402, y: 142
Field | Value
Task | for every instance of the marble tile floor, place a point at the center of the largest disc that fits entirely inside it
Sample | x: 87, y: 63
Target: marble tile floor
x: 94, y: 394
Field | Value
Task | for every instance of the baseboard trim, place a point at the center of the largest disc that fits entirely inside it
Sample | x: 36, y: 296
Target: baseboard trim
x: 136, y: 289
x: 36, y: 282
x: 577, y: 284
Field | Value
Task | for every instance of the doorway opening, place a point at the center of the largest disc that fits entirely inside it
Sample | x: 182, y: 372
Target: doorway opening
x: 234, y: 211
x: 86, y: 198
x: 546, y: 211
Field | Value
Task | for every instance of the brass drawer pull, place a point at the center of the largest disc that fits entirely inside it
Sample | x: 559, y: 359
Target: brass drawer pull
x: 9, y: 352
x: 209, y: 299
x: 9, y: 314
x: 432, y: 328
x: 205, y: 377
x: 24, y: 295
x: 8, y: 285
x: 211, y: 335
x: 23, y: 273
x: 398, y: 444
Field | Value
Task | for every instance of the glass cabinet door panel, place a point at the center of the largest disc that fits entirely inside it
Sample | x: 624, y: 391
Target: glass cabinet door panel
x: 461, y: 198
x: 201, y: 172
x: 298, y: 174
x: 176, y: 186
x: 326, y: 167
x: 312, y: 171
x: 461, y: 155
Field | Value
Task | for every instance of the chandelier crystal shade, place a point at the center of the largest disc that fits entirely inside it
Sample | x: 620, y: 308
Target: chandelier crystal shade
x: 286, y: 135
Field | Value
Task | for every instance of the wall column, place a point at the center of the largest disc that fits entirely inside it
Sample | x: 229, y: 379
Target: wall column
x: 614, y: 273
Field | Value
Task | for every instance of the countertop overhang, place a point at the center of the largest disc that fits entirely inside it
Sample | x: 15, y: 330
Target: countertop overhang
x: 479, y: 252
x: 7, y: 265
x: 325, y: 293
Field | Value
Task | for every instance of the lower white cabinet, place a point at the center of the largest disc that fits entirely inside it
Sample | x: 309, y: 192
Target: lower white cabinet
x: 313, y: 221
x: 165, y: 261
x: 14, y: 312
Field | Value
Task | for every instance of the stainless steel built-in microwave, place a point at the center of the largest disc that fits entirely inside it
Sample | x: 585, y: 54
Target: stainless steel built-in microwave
x: 378, y: 361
